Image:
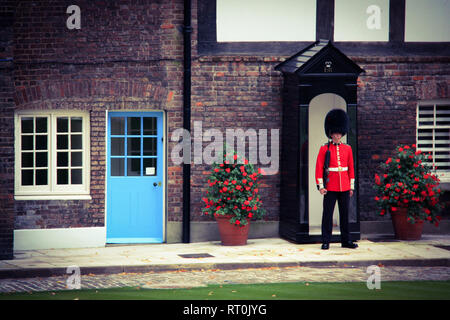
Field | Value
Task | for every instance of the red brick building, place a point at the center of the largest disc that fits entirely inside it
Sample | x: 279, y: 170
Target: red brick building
x: 74, y: 83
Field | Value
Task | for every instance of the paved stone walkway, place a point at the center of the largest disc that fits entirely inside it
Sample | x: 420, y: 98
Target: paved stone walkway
x: 260, y: 261
x: 258, y: 253
x: 188, y: 279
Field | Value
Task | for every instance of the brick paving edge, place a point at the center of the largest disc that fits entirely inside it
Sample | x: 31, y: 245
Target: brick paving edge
x: 60, y: 271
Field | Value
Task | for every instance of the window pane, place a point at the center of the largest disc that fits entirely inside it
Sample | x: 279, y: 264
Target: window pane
x: 134, y: 167
x: 361, y: 20
x: 76, y: 142
x: 76, y: 124
x: 76, y: 176
x: 41, y: 125
x: 149, y: 146
x: 41, y: 142
x: 37, y: 136
x: 150, y: 126
x: 27, y: 159
x: 27, y: 125
x: 268, y: 20
x: 150, y: 166
x: 27, y: 142
x: 62, y: 176
x: 134, y: 146
x: 62, y: 159
x: 426, y: 21
x: 117, y: 167
x: 76, y: 159
x: 443, y: 115
x: 41, y: 177
x: 117, y: 146
x: 426, y: 115
x: 41, y: 159
x: 117, y: 125
x: 62, y: 124
x: 134, y: 126
x: 62, y: 141
x: 27, y: 177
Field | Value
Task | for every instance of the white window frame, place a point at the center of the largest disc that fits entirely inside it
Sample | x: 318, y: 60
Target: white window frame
x: 444, y: 175
x: 52, y: 190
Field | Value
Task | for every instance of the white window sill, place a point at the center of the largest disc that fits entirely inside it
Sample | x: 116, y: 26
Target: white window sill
x: 444, y: 178
x: 53, y: 197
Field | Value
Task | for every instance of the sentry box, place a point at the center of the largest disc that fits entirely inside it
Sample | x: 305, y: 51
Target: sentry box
x: 315, y: 80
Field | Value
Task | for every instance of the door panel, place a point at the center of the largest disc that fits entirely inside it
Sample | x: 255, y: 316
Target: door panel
x: 135, y: 177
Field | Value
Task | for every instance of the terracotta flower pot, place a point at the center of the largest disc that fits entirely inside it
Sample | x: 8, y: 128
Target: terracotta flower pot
x: 230, y: 234
x: 403, y: 229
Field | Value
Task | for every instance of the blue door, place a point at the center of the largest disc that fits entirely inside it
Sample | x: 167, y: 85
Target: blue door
x: 135, y: 177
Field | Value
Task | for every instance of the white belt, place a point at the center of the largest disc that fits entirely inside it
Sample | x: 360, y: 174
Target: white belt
x: 337, y: 169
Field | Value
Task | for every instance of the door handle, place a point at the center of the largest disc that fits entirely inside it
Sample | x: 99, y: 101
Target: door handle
x: 157, y: 184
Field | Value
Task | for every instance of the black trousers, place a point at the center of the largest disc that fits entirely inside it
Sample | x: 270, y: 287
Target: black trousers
x: 329, y: 201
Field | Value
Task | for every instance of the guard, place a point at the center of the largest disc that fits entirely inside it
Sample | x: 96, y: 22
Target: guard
x: 335, y: 177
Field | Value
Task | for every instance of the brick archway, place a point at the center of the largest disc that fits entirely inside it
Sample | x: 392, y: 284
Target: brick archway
x: 153, y: 93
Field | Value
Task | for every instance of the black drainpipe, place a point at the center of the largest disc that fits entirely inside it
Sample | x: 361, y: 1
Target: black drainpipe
x: 187, y: 30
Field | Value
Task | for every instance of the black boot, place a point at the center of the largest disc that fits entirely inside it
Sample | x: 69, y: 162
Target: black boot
x: 325, y: 246
x: 349, y: 244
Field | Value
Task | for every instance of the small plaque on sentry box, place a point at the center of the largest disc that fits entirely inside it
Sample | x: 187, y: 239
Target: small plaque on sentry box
x: 150, y: 171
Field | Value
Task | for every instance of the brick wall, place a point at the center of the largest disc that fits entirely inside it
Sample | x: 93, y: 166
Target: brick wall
x: 236, y: 93
x: 127, y: 55
x: 245, y: 92
x: 388, y: 94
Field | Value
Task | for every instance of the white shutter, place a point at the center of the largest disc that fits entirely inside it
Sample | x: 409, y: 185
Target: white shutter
x: 433, y: 134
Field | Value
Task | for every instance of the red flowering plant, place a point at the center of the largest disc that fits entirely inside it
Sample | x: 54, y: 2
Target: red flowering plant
x: 408, y: 182
x: 233, y: 190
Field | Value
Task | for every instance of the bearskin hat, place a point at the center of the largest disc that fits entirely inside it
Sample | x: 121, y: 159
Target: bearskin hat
x: 336, y: 121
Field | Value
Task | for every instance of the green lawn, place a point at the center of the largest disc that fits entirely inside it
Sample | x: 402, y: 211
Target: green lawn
x: 401, y: 290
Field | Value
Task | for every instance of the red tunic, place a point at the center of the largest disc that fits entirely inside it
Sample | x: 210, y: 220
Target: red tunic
x: 342, y: 175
